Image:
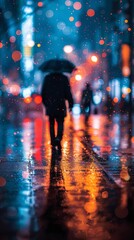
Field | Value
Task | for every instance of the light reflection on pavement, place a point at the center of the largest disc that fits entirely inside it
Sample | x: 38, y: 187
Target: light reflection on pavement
x: 47, y: 196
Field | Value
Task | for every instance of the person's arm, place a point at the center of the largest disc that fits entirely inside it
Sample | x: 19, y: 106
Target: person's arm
x: 68, y: 95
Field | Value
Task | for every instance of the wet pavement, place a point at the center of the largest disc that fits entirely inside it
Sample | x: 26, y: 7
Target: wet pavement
x: 86, y: 193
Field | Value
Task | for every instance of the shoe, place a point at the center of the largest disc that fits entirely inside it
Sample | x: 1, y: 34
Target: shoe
x: 57, y: 142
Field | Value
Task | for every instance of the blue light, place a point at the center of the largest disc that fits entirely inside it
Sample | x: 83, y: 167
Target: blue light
x: 76, y: 110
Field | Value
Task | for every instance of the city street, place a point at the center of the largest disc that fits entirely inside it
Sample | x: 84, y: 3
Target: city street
x: 67, y: 120
x: 86, y: 193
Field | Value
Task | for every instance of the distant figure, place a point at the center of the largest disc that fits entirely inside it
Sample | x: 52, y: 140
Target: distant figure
x: 55, y: 91
x: 86, y: 101
x: 109, y: 106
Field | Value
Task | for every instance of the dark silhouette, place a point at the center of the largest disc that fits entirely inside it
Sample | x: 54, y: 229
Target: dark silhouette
x: 109, y: 107
x: 55, y: 91
x: 86, y: 100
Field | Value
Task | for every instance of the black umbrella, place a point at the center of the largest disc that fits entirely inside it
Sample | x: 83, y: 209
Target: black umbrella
x: 57, y: 65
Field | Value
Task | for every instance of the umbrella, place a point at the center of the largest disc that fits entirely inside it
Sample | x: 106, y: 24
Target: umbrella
x: 57, y: 65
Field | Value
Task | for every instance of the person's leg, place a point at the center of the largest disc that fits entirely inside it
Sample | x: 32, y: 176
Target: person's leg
x: 60, y: 127
x: 51, y: 129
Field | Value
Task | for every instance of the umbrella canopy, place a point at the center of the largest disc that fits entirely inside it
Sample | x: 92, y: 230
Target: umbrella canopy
x: 57, y: 65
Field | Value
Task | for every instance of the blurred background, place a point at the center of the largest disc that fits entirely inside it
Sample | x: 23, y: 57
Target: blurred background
x: 96, y: 35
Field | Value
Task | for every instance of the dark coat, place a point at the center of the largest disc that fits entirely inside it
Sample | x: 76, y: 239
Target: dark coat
x: 55, y: 91
x: 87, y: 97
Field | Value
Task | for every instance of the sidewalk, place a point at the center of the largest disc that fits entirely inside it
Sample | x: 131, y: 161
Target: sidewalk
x: 109, y: 141
x: 44, y: 196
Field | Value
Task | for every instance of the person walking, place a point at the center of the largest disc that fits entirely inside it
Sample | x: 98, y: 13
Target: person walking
x: 86, y: 100
x: 55, y: 91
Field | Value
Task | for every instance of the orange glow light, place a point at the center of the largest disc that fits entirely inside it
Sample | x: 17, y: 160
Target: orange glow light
x: 115, y: 100
x: 16, y: 56
x: 1, y: 44
x: 108, y: 89
x: 101, y: 42
x: 132, y: 139
x: 71, y: 19
x: 28, y: 100
x: 5, y: 81
x: 90, y: 13
x: 38, y: 99
x: 123, y: 95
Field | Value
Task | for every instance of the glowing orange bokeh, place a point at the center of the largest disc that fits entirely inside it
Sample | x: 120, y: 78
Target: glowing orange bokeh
x: 1, y: 44
x: 115, y: 100
x: 90, y: 13
x: 28, y: 100
x: 5, y: 81
x: 16, y: 56
x: 108, y: 89
x: 38, y: 99
x: 101, y: 42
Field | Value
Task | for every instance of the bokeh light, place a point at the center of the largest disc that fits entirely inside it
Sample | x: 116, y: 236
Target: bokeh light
x: 77, y: 5
x: 115, y: 100
x: 1, y: 44
x: 38, y: 45
x: 90, y: 12
x: 108, y: 89
x: 68, y: 3
x: 12, y: 39
x: 68, y: 49
x: 104, y: 194
x: 104, y: 55
x: 78, y: 24
x: 27, y: 100
x: 78, y: 77
x: 18, y: 32
x: 101, y: 42
x: 49, y: 13
x: 94, y: 59
x: 40, y: 4
x: 14, y: 89
x: 5, y: 81
x: 16, y: 56
x: 38, y: 99
x: 71, y: 19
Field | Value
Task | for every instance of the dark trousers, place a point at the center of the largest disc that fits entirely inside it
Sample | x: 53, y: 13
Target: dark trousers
x: 60, y: 128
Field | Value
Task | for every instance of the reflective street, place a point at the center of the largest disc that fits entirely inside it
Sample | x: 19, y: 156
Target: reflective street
x: 84, y: 193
